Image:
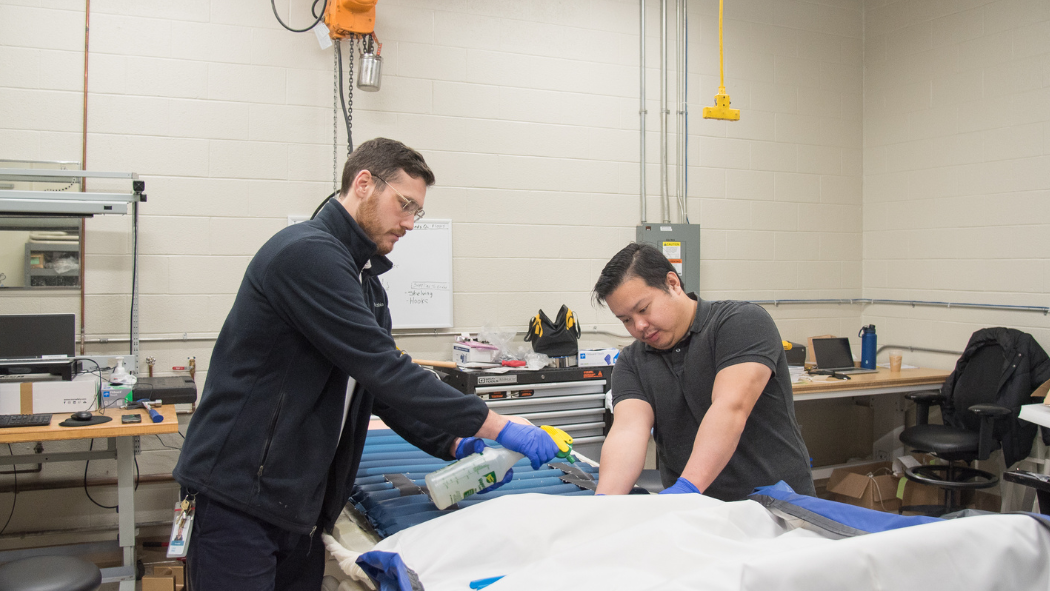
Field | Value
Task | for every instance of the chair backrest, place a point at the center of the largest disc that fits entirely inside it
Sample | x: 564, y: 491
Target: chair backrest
x: 977, y: 384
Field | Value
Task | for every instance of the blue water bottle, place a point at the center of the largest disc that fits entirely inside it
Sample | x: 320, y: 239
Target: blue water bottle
x: 867, y: 346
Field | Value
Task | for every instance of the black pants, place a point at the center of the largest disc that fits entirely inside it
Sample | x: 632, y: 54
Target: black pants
x: 230, y: 550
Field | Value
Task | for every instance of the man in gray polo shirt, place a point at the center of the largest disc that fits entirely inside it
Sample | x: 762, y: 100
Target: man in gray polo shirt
x: 710, y: 380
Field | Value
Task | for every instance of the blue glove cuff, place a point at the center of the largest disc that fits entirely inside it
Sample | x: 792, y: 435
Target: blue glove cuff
x: 686, y: 484
x: 681, y: 486
x: 469, y: 445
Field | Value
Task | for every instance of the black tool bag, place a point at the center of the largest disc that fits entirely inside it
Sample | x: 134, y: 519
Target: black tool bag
x: 555, y: 339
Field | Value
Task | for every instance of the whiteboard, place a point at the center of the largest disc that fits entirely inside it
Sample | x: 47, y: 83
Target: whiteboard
x: 420, y: 284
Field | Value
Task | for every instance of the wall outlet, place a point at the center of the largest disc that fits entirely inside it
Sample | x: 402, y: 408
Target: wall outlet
x: 295, y: 219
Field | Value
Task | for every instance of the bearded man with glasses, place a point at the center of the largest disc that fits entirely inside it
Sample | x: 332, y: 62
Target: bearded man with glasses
x: 304, y: 358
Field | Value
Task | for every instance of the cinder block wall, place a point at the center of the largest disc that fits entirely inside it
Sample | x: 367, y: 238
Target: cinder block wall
x: 527, y: 111
x: 956, y: 168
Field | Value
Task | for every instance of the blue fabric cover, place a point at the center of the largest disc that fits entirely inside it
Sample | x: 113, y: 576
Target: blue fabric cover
x: 865, y: 520
x: 389, y: 571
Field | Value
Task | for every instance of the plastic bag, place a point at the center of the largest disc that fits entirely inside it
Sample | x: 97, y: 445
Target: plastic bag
x: 500, y: 337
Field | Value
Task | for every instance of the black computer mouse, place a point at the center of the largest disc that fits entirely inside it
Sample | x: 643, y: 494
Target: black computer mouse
x: 81, y: 415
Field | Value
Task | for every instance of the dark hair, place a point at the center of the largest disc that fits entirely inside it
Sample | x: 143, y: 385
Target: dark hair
x: 634, y: 260
x: 384, y: 158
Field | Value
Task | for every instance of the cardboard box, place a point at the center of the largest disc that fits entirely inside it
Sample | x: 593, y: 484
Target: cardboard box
x: 473, y: 352
x: 593, y: 357
x: 49, y: 396
x: 872, y: 486
x: 114, y: 395
x: 914, y: 494
x: 158, y: 583
x: 175, y: 570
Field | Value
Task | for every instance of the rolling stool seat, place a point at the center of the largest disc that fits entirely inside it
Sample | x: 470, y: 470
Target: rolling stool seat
x: 50, y: 573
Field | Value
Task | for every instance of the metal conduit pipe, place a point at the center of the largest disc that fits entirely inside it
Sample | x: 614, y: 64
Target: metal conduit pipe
x: 682, y: 68
x: 107, y: 340
x: 664, y: 112
x: 91, y: 529
x: 641, y: 105
x: 1010, y: 307
x: 912, y: 349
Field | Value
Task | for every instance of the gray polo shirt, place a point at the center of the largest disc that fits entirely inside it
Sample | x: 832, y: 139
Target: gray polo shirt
x: 677, y: 383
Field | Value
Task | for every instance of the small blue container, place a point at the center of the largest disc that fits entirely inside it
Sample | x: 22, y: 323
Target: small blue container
x: 867, y: 346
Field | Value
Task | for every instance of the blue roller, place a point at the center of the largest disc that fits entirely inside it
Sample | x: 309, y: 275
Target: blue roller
x: 387, y: 453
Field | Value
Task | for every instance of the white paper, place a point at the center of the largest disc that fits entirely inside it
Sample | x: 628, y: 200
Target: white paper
x: 321, y: 31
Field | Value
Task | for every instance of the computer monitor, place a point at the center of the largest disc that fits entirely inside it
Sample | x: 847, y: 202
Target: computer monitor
x: 37, y: 336
x: 32, y: 344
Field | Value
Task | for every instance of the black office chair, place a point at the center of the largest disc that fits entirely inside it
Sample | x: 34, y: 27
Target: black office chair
x: 974, y: 437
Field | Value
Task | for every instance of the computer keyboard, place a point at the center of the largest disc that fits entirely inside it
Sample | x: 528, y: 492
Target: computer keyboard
x: 37, y: 420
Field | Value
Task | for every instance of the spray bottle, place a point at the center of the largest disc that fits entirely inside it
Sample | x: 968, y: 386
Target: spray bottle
x: 472, y: 474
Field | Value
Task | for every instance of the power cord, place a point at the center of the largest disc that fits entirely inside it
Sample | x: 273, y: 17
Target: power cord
x: 98, y: 390
x: 157, y: 435
x: 132, y: 324
x: 90, y: 448
x: 14, y: 499
x: 322, y: 204
x: 273, y: 5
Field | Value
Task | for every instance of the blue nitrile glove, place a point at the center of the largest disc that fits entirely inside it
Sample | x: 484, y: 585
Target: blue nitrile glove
x: 469, y: 445
x: 682, y: 486
x: 530, y: 441
x: 506, y: 479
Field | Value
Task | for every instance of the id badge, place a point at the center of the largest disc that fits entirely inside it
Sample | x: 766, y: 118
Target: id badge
x: 181, y: 528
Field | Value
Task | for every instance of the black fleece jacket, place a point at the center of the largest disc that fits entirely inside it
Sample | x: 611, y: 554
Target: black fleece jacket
x: 310, y: 312
x: 1024, y: 368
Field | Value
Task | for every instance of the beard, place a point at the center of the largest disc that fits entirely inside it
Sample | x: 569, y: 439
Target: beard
x: 368, y: 219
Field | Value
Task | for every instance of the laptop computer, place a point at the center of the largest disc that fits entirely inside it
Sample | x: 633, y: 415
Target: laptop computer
x: 834, y: 355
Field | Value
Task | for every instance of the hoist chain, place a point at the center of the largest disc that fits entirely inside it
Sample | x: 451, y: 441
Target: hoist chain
x: 335, y: 118
x: 350, y: 101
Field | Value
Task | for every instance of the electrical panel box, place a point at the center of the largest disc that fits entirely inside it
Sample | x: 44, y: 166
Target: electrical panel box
x: 680, y: 243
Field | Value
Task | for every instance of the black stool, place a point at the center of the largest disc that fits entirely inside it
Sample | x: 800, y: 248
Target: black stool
x: 50, y: 573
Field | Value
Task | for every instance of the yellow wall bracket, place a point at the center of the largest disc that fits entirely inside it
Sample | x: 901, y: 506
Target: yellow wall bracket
x: 721, y: 109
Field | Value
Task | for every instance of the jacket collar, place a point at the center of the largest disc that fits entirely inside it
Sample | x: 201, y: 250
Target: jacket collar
x: 345, y: 229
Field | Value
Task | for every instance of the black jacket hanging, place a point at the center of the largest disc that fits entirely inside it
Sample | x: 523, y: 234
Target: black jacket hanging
x: 1025, y: 367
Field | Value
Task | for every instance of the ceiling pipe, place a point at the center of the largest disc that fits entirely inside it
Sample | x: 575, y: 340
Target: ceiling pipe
x: 641, y: 106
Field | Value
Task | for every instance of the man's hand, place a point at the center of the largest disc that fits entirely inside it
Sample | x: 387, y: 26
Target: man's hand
x: 682, y: 486
x: 473, y: 445
x: 469, y: 445
x: 533, y: 442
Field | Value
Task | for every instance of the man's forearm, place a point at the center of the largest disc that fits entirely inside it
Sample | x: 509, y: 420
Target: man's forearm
x: 715, y: 443
x: 623, y: 457
x: 493, y: 424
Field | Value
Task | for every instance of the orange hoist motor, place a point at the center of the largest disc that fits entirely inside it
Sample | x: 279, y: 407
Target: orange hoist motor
x: 348, y: 17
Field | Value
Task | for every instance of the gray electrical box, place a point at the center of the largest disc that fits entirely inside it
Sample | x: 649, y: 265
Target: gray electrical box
x: 680, y: 243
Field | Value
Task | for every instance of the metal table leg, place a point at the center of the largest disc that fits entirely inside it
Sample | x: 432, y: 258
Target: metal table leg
x: 126, y: 509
